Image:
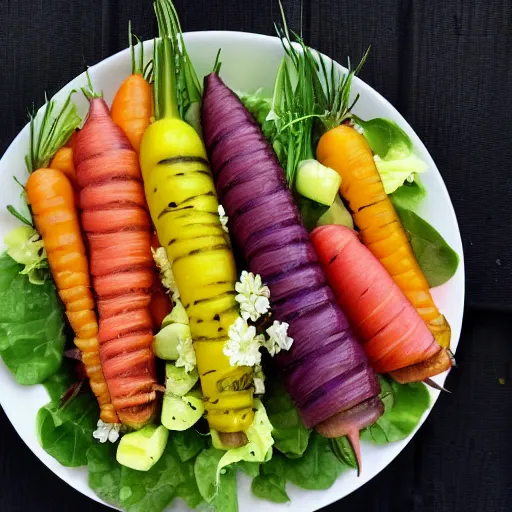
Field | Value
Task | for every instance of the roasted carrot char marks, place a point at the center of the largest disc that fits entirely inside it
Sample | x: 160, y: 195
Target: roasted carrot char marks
x: 347, y: 152
x: 394, y: 336
x: 326, y: 370
x: 51, y: 197
x: 184, y: 209
x: 117, y: 227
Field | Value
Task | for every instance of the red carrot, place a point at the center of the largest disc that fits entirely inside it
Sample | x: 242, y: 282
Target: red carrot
x: 395, y: 338
x: 117, y: 228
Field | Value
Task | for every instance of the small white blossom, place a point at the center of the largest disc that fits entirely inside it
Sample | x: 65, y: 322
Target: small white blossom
x: 223, y: 218
x: 259, y: 380
x: 252, y: 296
x: 107, y: 432
x: 166, y: 275
x: 186, y: 354
x: 243, y: 345
x: 278, y: 338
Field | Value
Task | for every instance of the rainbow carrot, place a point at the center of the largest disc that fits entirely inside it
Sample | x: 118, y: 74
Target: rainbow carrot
x: 395, y: 338
x: 132, y: 106
x: 51, y: 197
x: 347, y: 152
x: 117, y: 227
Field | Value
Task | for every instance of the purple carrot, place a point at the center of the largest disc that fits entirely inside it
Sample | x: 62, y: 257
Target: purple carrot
x: 326, y: 371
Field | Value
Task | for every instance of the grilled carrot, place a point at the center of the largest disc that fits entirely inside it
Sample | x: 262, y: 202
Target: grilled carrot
x: 347, y: 152
x: 394, y: 337
x: 132, y: 106
x: 117, y: 228
x: 51, y: 197
x: 184, y: 208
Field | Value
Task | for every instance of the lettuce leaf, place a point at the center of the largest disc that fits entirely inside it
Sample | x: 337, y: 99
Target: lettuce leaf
x: 404, y: 406
x: 395, y: 173
x: 222, y: 494
x: 436, y: 258
x: 31, y: 325
x: 290, y: 435
x: 270, y: 484
x: 141, y: 491
x: 65, y: 433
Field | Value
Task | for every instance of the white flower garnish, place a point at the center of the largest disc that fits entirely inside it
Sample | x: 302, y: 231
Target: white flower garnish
x: 259, y: 380
x: 107, y: 432
x: 186, y: 354
x: 278, y: 338
x: 252, y: 296
x: 166, y: 275
x: 223, y: 218
x: 243, y: 346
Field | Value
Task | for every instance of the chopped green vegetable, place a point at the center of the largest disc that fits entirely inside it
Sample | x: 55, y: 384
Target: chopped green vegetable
x: 25, y: 246
x: 178, y: 381
x: 165, y: 343
x: 436, y: 258
x: 394, y: 173
x: 317, y: 182
x: 336, y: 214
x: 142, y: 449
x: 290, y: 435
x: 178, y: 315
x: 31, y: 325
x: 181, y: 412
x: 404, y: 405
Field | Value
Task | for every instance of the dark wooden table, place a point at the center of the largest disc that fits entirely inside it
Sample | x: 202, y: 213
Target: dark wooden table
x: 446, y: 65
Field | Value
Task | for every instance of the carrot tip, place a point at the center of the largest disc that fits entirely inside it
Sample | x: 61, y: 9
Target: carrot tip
x: 353, y: 437
x: 434, y: 385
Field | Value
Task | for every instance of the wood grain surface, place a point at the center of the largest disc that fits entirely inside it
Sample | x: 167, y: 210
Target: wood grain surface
x: 446, y: 65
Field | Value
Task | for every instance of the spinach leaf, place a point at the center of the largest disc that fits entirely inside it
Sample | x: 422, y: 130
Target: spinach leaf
x: 58, y: 383
x: 404, y: 406
x: 222, y: 497
x: 31, y: 325
x: 249, y: 468
x: 318, y: 468
x: 436, y: 258
x: 409, y: 195
x: 270, y: 484
x: 385, y: 138
x: 141, y: 491
x: 104, y: 472
x: 187, y: 443
x: 290, y: 435
x: 342, y: 448
x: 66, y: 433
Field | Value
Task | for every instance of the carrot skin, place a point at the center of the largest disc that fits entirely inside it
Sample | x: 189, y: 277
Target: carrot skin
x: 393, y: 334
x: 348, y: 153
x: 132, y: 108
x: 109, y: 179
x: 52, y: 199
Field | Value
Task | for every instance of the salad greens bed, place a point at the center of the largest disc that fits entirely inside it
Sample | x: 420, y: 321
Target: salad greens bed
x: 34, y: 336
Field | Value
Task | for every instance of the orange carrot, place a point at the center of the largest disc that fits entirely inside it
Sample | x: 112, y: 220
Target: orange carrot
x: 132, y: 106
x: 117, y: 227
x: 347, y: 152
x: 51, y: 197
x: 395, y: 338
x: 63, y: 161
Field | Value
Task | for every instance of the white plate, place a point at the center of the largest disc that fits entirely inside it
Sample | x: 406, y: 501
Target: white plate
x: 249, y: 61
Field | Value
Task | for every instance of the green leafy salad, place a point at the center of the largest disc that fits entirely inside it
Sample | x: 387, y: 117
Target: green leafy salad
x: 182, y: 450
